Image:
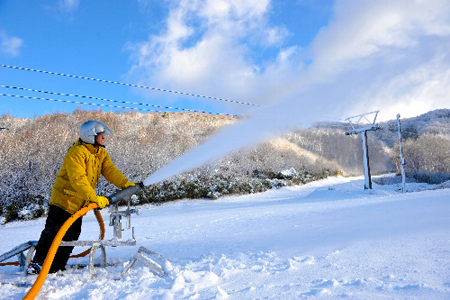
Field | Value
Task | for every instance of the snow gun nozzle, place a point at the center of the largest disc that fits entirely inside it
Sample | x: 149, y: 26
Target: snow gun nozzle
x: 126, y: 194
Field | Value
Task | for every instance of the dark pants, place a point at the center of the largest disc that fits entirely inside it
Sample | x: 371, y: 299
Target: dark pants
x: 55, y: 219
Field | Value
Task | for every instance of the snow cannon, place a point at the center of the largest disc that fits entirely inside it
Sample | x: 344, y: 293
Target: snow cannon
x: 126, y: 194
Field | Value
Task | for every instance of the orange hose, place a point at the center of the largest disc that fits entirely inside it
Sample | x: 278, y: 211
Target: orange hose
x: 52, y: 251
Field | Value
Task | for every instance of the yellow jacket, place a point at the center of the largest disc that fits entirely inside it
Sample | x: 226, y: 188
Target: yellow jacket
x: 79, y: 174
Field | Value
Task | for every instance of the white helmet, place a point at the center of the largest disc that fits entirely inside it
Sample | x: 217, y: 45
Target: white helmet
x: 91, y: 128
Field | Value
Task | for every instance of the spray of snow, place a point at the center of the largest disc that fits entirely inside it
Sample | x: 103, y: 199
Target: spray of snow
x: 231, y: 138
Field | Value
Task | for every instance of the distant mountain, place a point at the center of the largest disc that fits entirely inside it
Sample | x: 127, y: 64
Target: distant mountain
x: 328, y: 140
x: 432, y: 122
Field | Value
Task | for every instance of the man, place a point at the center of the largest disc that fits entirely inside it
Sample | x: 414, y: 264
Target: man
x: 74, y: 187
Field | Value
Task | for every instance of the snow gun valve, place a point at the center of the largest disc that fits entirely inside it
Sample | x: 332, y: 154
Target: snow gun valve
x: 125, y: 194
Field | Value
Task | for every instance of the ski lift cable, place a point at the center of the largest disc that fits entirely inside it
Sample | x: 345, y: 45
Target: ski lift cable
x: 94, y: 104
x: 129, y: 84
x: 109, y: 100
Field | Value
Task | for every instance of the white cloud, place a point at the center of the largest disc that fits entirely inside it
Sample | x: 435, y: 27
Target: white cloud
x: 207, y: 48
x: 372, y: 55
x: 10, y: 45
x: 364, y: 30
x: 384, y: 55
x: 417, y: 90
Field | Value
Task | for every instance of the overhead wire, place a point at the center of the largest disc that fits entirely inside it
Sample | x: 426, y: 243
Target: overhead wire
x: 129, y: 84
x: 75, y: 102
x: 102, y: 99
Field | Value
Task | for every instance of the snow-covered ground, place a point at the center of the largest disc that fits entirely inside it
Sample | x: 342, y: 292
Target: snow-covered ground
x: 325, y: 240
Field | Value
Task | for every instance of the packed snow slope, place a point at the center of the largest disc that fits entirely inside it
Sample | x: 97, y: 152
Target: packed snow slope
x: 325, y: 240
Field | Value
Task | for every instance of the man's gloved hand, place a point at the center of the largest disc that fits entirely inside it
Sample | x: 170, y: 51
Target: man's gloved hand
x: 101, y: 201
x: 128, y: 184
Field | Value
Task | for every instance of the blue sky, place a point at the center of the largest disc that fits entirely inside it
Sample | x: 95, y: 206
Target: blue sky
x: 322, y: 59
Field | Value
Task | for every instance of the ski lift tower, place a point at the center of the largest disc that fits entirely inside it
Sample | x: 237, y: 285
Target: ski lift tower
x: 362, y: 124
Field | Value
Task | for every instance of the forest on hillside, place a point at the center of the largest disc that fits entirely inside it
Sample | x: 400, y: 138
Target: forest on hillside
x: 32, y: 150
